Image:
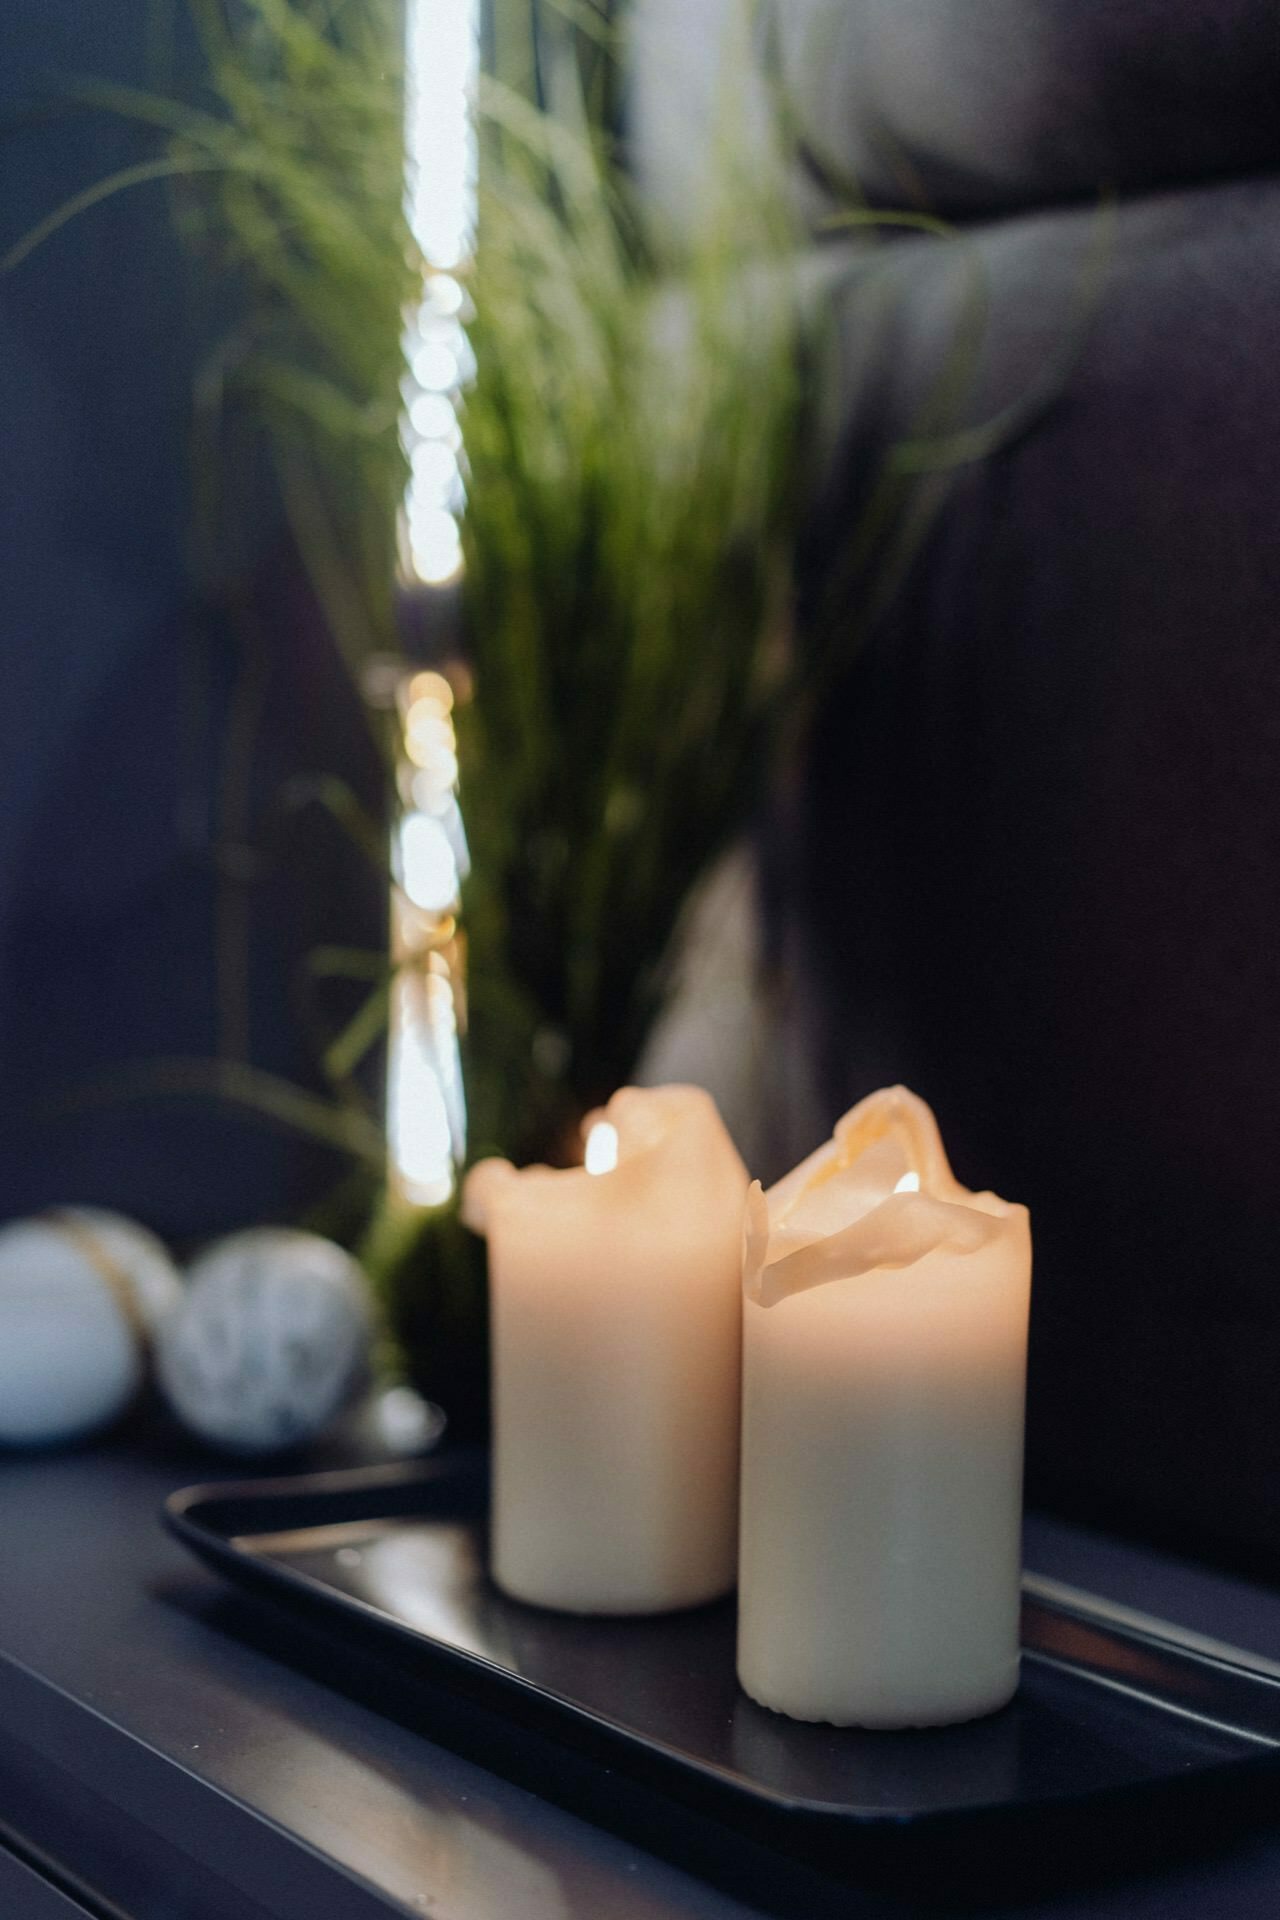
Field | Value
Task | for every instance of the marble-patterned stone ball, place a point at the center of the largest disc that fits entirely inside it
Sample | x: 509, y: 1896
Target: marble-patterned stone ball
x: 82, y: 1294
x: 271, y: 1340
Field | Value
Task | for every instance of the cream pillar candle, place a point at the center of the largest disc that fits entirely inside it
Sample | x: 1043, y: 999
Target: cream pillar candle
x: 616, y: 1326
x: 885, y: 1359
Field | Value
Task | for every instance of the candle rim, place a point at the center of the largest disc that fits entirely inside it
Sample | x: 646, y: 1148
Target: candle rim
x: 903, y: 1230
x: 675, y: 1104
x: 898, y: 1231
x: 888, y: 1112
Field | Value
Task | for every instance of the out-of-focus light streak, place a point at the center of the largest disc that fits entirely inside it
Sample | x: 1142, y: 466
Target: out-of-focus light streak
x: 426, y: 1110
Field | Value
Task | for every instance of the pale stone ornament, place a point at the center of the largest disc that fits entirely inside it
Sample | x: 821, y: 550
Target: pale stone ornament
x: 83, y: 1293
x: 272, y: 1340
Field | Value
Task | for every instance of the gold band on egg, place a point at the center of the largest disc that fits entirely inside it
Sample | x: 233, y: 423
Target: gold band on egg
x: 109, y: 1271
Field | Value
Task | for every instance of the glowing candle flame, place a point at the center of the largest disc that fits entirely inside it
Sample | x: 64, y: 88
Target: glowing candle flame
x: 602, y: 1148
x: 909, y: 1183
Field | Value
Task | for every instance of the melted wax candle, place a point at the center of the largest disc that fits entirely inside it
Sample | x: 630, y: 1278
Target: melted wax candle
x: 885, y: 1362
x: 616, y: 1317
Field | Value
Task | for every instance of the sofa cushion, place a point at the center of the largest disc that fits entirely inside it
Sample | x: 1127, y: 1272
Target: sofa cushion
x: 973, y: 106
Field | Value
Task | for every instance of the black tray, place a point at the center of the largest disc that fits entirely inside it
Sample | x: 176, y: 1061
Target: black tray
x: 1125, y: 1738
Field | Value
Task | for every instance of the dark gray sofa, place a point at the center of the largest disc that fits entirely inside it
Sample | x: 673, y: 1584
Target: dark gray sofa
x: 1034, y: 870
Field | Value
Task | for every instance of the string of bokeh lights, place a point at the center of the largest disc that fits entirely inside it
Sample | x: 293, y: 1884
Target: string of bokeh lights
x: 426, y: 1112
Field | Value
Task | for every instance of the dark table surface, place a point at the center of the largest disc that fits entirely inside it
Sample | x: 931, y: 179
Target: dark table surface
x: 172, y: 1751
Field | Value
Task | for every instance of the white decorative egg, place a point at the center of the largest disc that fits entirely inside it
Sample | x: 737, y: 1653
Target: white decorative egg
x: 271, y: 1340
x: 82, y: 1293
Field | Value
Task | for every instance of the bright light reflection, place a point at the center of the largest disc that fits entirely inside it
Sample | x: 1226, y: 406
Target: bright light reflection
x: 426, y: 1109
x: 430, y: 744
x: 443, y: 806
x: 434, y: 541
x: 442, y: 1026
x: 429, y: 740
x: 437, y: 780
x: 444, y: 294
x: 432, y: 416
x: 602, y: 1148
x: 419, y: 1135
x: 909, y: 1183
x: 436, y: 367
x: 433, y: 690
x: 442, y: 59
x: 428, y: 866
x: 435, y: 469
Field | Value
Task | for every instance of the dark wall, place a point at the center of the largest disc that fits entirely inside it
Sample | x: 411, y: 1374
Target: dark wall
x: 154, y: 902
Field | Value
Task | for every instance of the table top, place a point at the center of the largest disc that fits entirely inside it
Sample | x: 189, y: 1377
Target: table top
x: 159, y: 1732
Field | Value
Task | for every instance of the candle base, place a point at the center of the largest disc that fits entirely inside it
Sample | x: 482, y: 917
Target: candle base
x: 555, y: 1597
x: 945, y: 1707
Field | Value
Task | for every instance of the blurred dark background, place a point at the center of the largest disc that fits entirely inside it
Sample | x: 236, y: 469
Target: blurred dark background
x: 1031, y: 864
x: 158, y: 894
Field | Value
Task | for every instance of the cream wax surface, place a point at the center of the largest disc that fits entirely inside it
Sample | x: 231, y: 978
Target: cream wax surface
x: 885, y: 1338
x: 616, y: 1326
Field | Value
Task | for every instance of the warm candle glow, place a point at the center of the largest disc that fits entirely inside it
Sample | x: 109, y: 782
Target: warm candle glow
x: 602, y: 1148
x: 617, y: 1334
x: 885, y: 1355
